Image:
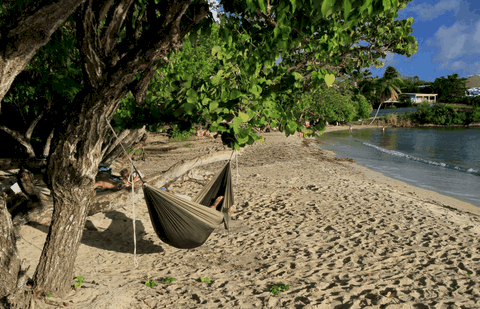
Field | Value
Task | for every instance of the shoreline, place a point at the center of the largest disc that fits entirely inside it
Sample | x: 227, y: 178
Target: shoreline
x: 434, y: 195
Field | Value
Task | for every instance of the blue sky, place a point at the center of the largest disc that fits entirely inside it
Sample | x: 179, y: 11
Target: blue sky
x: 448, y: 35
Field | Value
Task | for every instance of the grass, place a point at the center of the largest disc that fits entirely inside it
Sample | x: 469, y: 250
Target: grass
x: 454, y: 105
x: 204, y: 279
x: 277, y: 288
x: 78, y: 282
x: 179, y: 139
x: 152, y: 283
x: 187, y: 145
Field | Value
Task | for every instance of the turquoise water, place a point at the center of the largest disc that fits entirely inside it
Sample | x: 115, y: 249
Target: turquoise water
x: 446, y: 160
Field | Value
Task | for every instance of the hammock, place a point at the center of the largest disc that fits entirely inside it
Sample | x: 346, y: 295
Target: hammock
x: 187, y: 224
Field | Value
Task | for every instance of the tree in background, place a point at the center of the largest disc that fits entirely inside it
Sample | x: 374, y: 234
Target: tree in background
x: 388, y: 87
x: 450, y: 89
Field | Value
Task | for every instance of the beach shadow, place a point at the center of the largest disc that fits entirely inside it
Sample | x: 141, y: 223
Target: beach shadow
x: 117, y: 237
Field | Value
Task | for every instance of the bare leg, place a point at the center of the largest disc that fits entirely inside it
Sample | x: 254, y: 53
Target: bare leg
x: 217, y: 201
x: 232, y: 209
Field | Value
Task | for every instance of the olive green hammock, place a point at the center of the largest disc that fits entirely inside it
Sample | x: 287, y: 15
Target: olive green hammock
x: 187, y: 224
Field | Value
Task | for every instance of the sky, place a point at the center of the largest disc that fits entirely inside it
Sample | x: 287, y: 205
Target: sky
x: 448, y: 36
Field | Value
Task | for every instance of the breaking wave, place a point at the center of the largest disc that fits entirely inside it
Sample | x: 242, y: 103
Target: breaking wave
x: 413, y: 158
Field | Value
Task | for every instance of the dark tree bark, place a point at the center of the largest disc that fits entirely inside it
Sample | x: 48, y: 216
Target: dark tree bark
x: 33, y: 30
x: 109, y: 69
x: 14, y: 292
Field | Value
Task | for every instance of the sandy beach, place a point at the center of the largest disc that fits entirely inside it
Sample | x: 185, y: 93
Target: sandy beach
x: 339, y: 235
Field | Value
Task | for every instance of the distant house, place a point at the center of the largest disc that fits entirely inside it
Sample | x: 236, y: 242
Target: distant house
x: 473, y: 92
x: 419, y: 97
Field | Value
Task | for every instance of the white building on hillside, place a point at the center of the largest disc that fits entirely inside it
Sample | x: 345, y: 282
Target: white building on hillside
x: 473, y: 92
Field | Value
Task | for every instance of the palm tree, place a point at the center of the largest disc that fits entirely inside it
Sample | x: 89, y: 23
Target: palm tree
x: 388, y: 87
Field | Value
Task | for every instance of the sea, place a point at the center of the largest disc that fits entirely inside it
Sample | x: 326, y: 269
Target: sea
x: 445, y: 160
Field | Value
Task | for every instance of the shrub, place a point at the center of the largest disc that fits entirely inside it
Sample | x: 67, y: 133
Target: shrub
x: 474, y: 115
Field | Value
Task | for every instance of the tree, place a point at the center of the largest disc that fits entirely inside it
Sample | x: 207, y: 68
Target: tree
x: 450, y: 89
x: 40, y: 94
x: 388, y: 87
x: 121, y: 45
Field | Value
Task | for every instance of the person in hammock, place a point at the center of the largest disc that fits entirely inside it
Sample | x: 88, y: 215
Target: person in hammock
x: 125, y: 176
x: 104, y: 182
x: 218, y: 200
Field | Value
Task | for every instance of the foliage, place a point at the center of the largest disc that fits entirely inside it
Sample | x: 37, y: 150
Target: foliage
x: 440, y: 114
x: 78, y: 282
x: 239, y: 87
x: 474, y: 115
x: 167, y: 280
x: 49, y: 83
x: 204, y: 279
x: 450, y: 89
x: 326, y: 104
x: 277, y: 288
x: 150, y: 284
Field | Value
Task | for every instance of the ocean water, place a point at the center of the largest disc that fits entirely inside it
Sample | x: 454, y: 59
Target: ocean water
x: 445, y: 160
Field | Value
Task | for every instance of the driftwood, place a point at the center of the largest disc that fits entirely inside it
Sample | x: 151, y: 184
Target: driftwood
x: 110, y: 201
x: 129, y: 139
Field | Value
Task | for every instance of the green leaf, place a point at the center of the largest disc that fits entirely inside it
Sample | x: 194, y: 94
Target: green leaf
x: 213, y: 105
x: 276, y: 32
x: 329, y: 79
x: 243, y: 116
x: 297, y: 75
x: 216, y: 80
x: 386, y: 4
x: 234, y: 94
x: 216, y: 50
x: 236, y: 124
x: 188, y: 108
x: 204, y: 279
x: 150, y: 284
x: 347, y: 7
x: 262, y: 5
x: 326, y: 7
x: 294, y: 5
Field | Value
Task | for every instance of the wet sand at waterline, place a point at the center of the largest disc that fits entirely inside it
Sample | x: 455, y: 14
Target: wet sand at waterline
x: 340, y: 235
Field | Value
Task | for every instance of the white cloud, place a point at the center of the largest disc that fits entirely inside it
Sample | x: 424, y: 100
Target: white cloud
x: 426, y: 11
x: 390, y: 60
x: 452, y: 41
x: 458, y: 47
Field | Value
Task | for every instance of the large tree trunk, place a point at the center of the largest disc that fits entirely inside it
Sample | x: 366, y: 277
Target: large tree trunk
x: 109, y: 68
x: 14, y: 292
x: 32, y: 31
x: 72, y: 167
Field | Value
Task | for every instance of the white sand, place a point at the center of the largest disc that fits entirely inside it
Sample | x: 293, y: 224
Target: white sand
x: 340, y: 235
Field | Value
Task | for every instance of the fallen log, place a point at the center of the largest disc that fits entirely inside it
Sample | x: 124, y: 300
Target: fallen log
x: 109, y: 201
